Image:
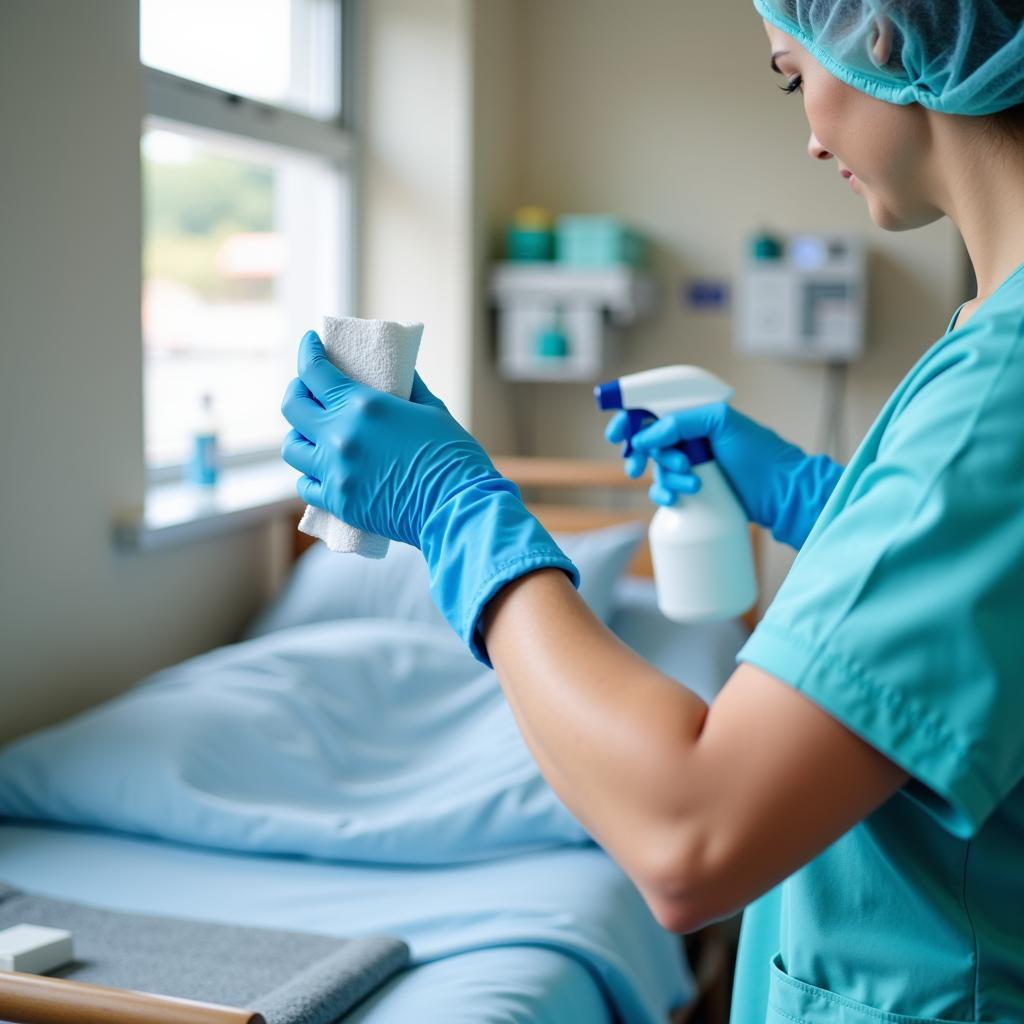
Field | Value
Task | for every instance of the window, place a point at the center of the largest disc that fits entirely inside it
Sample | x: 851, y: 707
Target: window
x: 247, y: 173
x: 282, y: 52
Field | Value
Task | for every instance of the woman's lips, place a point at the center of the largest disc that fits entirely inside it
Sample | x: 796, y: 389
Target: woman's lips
x: 850, y: 177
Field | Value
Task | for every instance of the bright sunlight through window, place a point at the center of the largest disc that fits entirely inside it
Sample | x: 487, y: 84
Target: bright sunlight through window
x: 245, y: 239
x: 283, y: 52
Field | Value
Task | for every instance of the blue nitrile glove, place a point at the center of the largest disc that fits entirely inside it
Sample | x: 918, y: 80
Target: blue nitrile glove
x: 409, y: 471
x: 779, y: 486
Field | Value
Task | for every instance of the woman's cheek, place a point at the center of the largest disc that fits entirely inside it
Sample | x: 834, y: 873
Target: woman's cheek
x: 824, y: 107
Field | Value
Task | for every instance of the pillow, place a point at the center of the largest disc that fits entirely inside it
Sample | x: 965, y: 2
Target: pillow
x: 602, y: 557
x: 325, y: 586
x: 701, y: 656
x: 369, y: 740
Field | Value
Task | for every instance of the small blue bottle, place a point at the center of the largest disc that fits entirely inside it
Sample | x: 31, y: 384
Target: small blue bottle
x: 203, y: 465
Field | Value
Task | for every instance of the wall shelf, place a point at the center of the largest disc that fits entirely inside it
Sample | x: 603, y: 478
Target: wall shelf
x: 588, y: 305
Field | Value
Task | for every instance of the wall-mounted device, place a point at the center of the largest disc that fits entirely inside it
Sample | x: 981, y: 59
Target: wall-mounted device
x: 559, y: 322
x: 803, y: 297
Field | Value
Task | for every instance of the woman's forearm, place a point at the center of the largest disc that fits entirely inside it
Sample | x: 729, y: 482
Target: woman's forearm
x: 613, y: 735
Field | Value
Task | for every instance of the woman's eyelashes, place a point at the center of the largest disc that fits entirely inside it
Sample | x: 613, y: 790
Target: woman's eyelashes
x: 792, y: 85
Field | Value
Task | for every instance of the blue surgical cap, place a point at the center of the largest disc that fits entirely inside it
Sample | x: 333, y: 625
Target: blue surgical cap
x: 954, y: 56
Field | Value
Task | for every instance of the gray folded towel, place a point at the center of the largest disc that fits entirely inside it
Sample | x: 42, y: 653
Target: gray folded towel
x: 289, y: 977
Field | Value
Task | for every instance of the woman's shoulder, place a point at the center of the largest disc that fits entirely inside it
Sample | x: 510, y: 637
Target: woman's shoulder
x: 982, y: 354
x: 995, y: 319
x: 969, y: 384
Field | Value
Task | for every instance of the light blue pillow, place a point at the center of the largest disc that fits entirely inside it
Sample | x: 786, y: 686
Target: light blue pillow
x: 701, y: 656
x: 370, y: 740
x: 325, y: 586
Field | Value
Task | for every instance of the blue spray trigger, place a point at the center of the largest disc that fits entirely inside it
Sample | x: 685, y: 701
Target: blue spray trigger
x: 634, y: 423
x: 697, y: 450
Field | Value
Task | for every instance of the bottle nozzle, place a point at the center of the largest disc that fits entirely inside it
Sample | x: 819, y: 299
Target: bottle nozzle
x: 608, y: 395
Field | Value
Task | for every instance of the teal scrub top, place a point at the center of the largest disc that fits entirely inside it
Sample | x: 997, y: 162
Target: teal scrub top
x: 903, y: 617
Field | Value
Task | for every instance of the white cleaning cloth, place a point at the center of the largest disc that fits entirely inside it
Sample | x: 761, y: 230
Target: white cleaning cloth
x: 380, y: 353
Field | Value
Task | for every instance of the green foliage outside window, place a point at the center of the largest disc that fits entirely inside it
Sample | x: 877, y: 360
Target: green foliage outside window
x: 191, y: 207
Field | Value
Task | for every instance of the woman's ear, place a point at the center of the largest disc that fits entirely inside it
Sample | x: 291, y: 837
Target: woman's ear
x: 880, y: 41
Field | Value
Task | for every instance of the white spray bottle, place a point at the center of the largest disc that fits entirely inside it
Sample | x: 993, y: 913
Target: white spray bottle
x: 700, y: 547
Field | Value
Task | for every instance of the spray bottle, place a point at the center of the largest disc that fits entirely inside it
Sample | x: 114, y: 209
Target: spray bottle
x: 700, y: 546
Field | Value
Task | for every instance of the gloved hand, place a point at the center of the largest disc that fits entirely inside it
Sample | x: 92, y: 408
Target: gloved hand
x: 778, y: 486
x: 407, y: 470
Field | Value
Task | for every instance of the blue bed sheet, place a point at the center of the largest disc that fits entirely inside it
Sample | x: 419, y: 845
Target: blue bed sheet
x: 357, y: 777
x: 557, y: 935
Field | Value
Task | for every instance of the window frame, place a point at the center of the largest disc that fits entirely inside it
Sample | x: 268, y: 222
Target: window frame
x: 170, y: 100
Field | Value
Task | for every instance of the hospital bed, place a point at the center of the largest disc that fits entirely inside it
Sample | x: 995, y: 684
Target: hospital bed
x: 535, y: 924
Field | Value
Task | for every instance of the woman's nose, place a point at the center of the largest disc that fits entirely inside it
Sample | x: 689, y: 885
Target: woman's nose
x: 816, y: 150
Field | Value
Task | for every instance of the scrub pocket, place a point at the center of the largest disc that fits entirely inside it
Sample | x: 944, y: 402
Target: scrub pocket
x: 795, y: 1002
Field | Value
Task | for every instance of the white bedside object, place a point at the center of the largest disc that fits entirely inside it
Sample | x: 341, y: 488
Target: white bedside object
x: 33, y: 949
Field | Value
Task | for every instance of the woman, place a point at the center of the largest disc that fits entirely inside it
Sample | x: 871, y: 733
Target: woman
x: 868, y: 753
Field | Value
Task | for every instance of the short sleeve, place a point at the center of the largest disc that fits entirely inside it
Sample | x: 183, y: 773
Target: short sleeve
x: 902, y: 615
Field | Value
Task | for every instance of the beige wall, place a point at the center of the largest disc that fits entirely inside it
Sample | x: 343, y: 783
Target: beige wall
x: 441, y: 167
x: 416, y: 192
x: 78, y: 620
x: 498, y: 115
x: 666, y: 113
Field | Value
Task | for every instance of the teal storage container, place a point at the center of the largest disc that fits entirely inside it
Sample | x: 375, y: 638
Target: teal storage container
x: 598, y: 241
x: 528, y: 244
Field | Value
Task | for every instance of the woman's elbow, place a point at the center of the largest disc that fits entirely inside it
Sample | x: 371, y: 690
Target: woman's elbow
x: 684, y: 886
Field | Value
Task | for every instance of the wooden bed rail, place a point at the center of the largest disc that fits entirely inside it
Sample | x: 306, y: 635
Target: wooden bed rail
x: 35, y: 999
x: 530, y: 471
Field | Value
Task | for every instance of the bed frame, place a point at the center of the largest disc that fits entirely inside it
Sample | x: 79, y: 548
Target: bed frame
x: 566, y: 495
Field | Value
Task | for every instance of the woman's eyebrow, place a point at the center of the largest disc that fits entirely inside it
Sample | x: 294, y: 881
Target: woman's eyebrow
x: 774, y: 66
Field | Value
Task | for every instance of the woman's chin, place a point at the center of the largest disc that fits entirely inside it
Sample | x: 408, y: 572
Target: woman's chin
x: 889, y: 219
x: 885, y: 218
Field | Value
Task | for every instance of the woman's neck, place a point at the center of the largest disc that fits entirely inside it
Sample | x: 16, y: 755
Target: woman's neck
x: 981, y: 189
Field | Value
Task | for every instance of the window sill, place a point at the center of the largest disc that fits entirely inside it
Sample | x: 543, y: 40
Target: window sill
x: 180, y: 512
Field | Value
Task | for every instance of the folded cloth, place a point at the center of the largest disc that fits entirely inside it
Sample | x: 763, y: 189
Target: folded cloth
x: 289, y: 977
x: 381, y: 353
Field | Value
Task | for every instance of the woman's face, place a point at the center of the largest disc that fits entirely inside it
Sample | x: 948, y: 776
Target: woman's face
x: 881, y: 150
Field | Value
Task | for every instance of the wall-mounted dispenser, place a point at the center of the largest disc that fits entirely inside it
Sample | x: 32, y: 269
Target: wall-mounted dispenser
x: 557, y: 321
x: 803, y: 297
